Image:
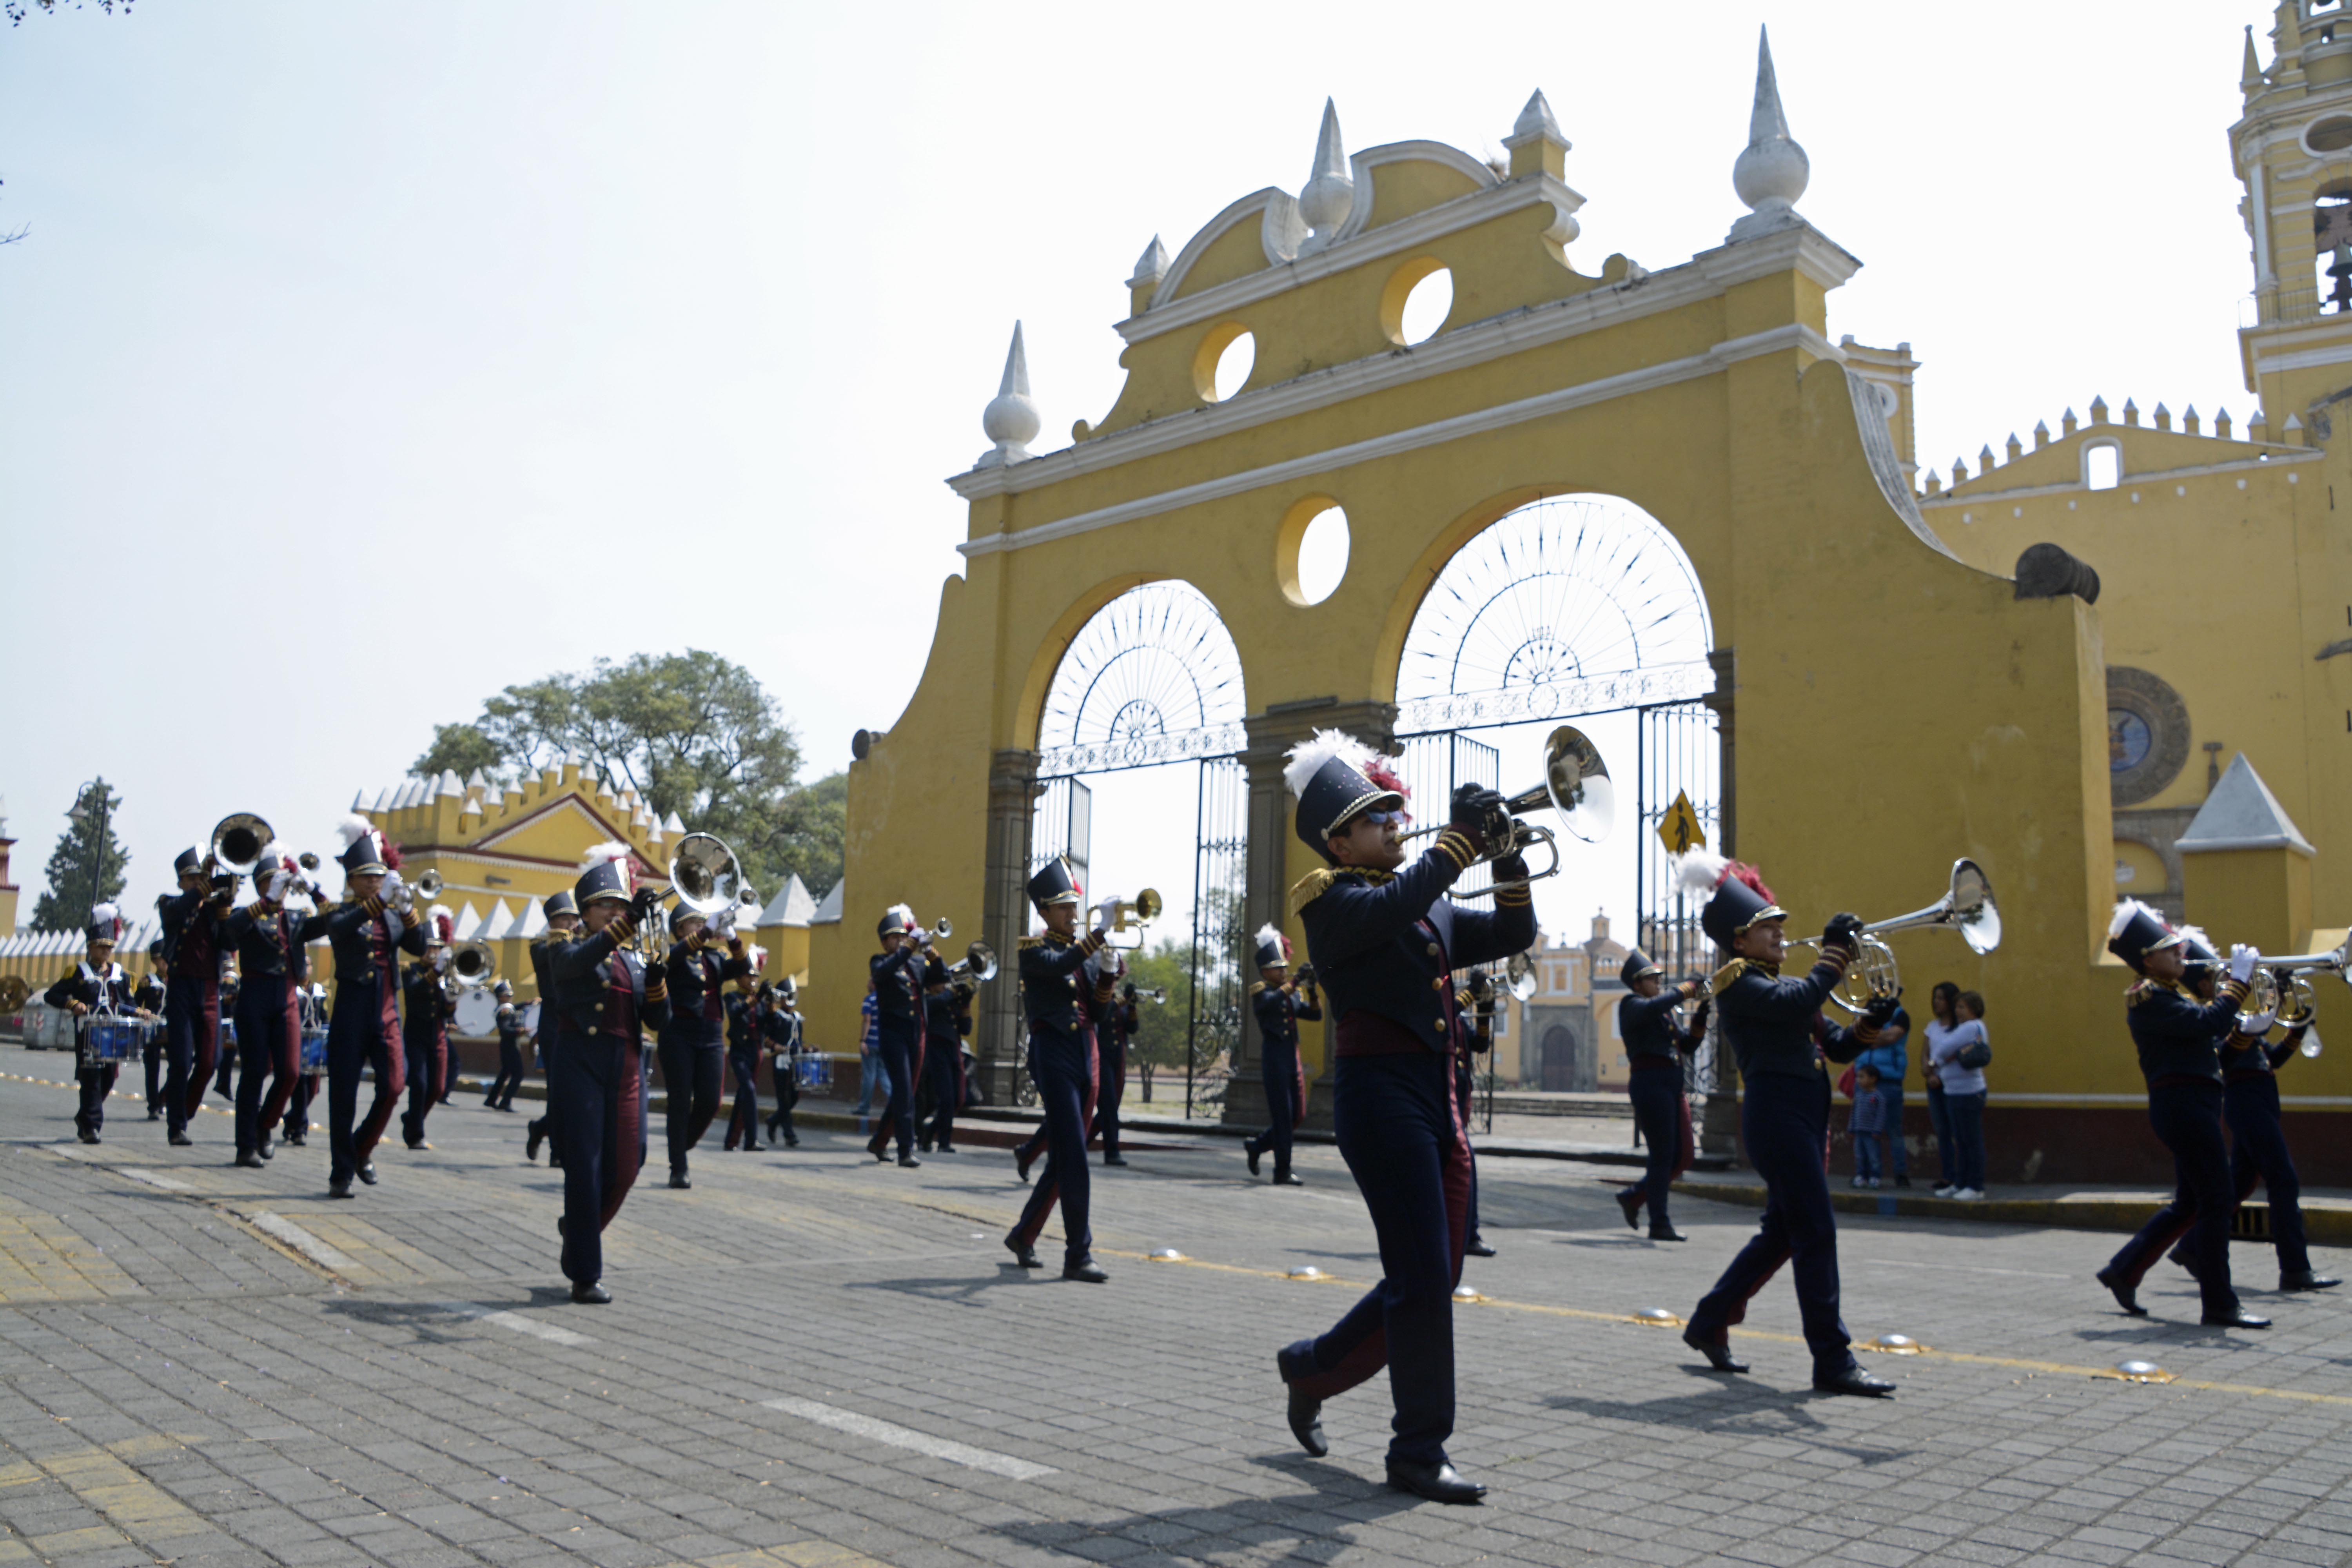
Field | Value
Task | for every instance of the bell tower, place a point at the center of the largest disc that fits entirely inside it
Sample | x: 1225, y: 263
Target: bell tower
x: 2292, y: 149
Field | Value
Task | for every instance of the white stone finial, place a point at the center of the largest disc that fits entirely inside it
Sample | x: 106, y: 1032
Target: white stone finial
x: 1772, y: 171
x: 1536, y: 120
x: 1011, y: 418
x: 1151, y: 266
x: 1330, y: 194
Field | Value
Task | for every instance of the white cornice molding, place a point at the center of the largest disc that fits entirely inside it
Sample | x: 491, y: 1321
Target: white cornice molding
x: 1720, y: 357
x: 1705, y: 276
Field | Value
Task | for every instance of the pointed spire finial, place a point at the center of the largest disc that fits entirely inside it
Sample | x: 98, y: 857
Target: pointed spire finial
x: 1772, y: 171
x: 1151, y: 266
x: 1330, y: 194
x: 1011, y: 418
x: 2249, y: 75
x: 1535, y: 143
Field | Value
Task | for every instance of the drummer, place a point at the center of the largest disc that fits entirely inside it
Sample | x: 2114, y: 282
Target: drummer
x: 96, y: 985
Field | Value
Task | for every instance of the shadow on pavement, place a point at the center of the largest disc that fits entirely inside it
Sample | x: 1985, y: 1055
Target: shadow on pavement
x: 1298, y: 1526
x: 1751, y: 1410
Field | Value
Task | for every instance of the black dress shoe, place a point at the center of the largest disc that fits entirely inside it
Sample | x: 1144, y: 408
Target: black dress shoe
x: 1025, y: 1256
x: 1437, y: 1482
x: 591, y: 1295
x: 250, y: 1161
x: 1113, y: 1160
x: 944, y: 1149
x: 2307, y: 1280
x: 1307, y: 1424
x: 531, y: 1145
x: 269, y: 1149
x: 2239, y: 1319
x: 1666, y: 1233
x: 1021, y: 1167
x: 295, y: 1141
x: 1855, y: 1381
x: 85, y: 1134
x: 2125, y: 1296
x: 367, y: 1172
x: 881, y: 1157
x: 1287, y: 1180
x: 417, y: 1145
x: 179, y: 1140
x: 341, y: 1189
x: 677, y: 1180
x: 1719, y: 1357
x: 908, y: 1160
x: 154, y: 1114
x: 1089, y: 1273
x: 1254, y: 1156
x: 1478, y: 1247
x: 1629, y: 1201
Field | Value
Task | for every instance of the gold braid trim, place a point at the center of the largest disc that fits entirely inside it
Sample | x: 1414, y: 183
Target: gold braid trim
x: 1721, y: 980
x: 1256, y: 986
x: 1457, y: 848
x: 1311, y: 887
x: 1091, y: 943
x: 1514, y: 898
x: 1028, y: 942
x: 2234, y: 988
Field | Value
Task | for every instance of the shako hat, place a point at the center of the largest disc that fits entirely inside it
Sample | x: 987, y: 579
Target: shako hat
x: 187, y: 860
x: 364, y: 853
x: 2198, y: 950
x: 1637, y: 963
x: 105, y: 923
x: 1738, y: 895
x: 1337, y: 778
x: 1272, y: 948
x: 605, y: 873
x: 503, y: 988
x: 2136, y: 930
x: 440, y: 925
x: 1053, y: 884
x: 561, y: 903
x: 897, y: 921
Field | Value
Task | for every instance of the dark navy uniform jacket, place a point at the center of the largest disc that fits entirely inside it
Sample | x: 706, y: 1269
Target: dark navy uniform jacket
x: 271, y: 943
x: 425, y: 1006
x: 348, y: 927
x: 1385, y: 945
x: 898, y: 993
x: 510, y: 1025
x: 1774, y: 1024
x: 149, y: 993
x: 1653, y: 1036
x: 1278, y: 1009
x: 2177, y: 1036
x: 89, y: 987
x: 695, y: 977
x: 1060, y: 995
x: 942, y: 1019
x: 599, y: 988
x: 2245, y: 1058
x: 740, y: 1022
x: 546, y: 1030
x: 192, y: 942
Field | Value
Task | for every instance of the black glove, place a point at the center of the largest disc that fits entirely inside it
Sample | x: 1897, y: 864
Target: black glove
x: 643, y: 907
x: 1842, y: 930
x: 1478, y: 816
x: 1698, y: 1018
x: 1881, y: 1011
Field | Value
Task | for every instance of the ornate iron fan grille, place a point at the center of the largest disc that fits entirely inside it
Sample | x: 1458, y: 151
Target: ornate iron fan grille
x: 1152, y: 677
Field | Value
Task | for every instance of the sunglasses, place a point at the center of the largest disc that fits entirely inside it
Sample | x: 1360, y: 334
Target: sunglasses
x: 1382, y: 818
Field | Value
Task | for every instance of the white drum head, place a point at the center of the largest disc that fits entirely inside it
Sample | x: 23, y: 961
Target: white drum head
x: 478, y: 1013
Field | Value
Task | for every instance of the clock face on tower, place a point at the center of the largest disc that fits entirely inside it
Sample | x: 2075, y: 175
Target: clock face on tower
x: 2148, y: 734
x: 2129, y: 740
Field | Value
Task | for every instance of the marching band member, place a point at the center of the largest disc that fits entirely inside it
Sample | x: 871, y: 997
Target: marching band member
x: 1279, y: 1006
x: 1774, y: 1028
x: 1655, y: 1045
x: 745, y: 1039
x: 268, y: 942
x: 693, y: 1041
x: 1062, y: 994
x: 1385, y: 943
x: 945, y: 1022
x: 1478, y: 1040
x: 898, y: 971
x: 297, y: 1119
x: 780, y: 1026
x: 231, y: 985
x: 508, y: 1022
x: 563, y: 919
x: 425, y: 1026
x: 367, y: 934
x: 96, y: 983
x: 149, y: 998
x: 192, y: 958
x: 2179, y: 1037
x: 1119, y: 1021
x: 604, y: 998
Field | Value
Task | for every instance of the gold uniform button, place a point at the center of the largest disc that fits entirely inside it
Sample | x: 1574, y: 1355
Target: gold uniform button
x: 1438, y: 984
x: 1433, y: 950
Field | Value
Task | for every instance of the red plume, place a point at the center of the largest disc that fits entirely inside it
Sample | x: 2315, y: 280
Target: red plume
x: 1752, y: 878
x: 444, y: 928
x: 390, y: 855
x: 1379, y: 769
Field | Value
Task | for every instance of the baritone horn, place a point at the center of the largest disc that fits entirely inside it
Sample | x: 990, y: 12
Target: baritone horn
x: 238, y: 840
x: 1967, y: 907
x: 978, y: 964
x: 474, y: 962
x: 1576, y: 789
x: 706, y: 878
x: 1141, y: 912
x: 2282, y: 986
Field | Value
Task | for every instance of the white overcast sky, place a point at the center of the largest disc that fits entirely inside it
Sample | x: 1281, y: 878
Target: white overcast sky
x: 366, y: 358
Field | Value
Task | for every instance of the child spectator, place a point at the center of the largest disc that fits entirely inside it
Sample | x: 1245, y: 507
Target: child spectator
x: 1868, y: 1127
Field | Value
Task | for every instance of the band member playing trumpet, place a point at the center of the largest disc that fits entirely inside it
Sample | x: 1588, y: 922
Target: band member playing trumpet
x: 604, y: 998
x: 563, y: 919
x: 192, y: 957
x: 1386, y: 943
x: 745, y: 1043
x: 2180, y: 1037
x: 96, y: 984
x: 269, y: 939
x: 1655, y: 1046
x: 693, y: 1042
x: 149, y: 998
x: 1278, y: 1005
x: 945, y: 1022
x: 1477, y: 1041
x: 424, y: 1027
x: 1062, y: 994
x: 898, y: 977
x: 1119, y: 1022
x: 376, y: 921
x: 508, y: 1022
x: 778, y: 1012
x: 1774, y: 1025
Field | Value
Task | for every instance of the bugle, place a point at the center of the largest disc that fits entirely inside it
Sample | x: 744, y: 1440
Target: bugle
x: 1874, y: 976
x: 978, y: 964
x: 1576, y: 789
x: 1136, y: 914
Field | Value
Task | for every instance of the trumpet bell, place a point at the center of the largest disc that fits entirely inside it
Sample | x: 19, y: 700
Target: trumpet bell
x: 428, y: 887
x: 1576, y: 785
x: 474, y: 962
x: 706, y: 875
x: 1973, y: 911
x: 982, y: 960
x: 238, y: 840
x: 1519, y: 974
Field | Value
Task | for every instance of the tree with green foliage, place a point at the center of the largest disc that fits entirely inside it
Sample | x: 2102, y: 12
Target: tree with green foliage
x: 17, y: 10
x: 89, y: 865
x: 691, y: 732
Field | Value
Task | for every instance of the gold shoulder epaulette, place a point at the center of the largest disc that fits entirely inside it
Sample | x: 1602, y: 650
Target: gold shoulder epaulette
x: 2141, y: 990
x: 1722, y: 979
x: 1311, y: 887
x: 1028, y: 942
x: 1256, y: 986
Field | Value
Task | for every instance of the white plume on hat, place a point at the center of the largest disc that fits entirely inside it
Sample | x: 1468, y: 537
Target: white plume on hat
x: 903, y: 913
x: 353, y: 828
x: 2125, y: 910
x: 107, y: 915
x: 1308, y: 757
x: 611, y: 849
x: 2196, y: 934
x: 1700, y: 871
x: 1267, y: 933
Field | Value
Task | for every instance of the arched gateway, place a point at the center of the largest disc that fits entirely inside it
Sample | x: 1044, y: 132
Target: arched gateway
x: 1881, y: 708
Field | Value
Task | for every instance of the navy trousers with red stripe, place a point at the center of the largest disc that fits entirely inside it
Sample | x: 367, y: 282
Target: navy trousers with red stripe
x: 1286, y: 1104
x: 901, y: 1054
x: 597, y: 1092
x: 269, y: 1050
x: 1662, y: 1112
x: 2186, y: 1115
x: 1785, y: 1119
x: 190, y: 1044
x: 1064, y: 1072
x: 1405, y: 1146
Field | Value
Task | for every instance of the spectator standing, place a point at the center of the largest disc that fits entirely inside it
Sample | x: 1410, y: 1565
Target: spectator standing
x: 1943, y: 1003
x: 1959, y: 1057
x: 1867, y: 1125
x: 1891, y: 1059
x: 872, y: 1076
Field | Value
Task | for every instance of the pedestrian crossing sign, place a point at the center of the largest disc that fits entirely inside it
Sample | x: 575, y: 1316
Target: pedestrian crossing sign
x: 1680, y: 829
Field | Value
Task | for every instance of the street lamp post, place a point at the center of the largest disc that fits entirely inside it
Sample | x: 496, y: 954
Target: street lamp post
x: 90, y: 807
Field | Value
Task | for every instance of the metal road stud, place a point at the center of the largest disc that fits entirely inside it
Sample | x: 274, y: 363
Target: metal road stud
x: 2140, y: 1372
x: 1306, y: 1271
x: 1167, y: 1255
x: 1467, y: 1294
x: 1893, y: 1344
x: 1657, y: 1318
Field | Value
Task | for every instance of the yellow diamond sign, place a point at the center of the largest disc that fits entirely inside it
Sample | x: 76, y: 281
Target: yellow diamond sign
x: 1680, y: 830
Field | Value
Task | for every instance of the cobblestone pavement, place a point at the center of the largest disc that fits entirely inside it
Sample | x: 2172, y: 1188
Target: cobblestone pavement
x: 817, y: 1360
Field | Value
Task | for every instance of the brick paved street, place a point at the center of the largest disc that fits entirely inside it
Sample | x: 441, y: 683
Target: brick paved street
x: 815, y: 1360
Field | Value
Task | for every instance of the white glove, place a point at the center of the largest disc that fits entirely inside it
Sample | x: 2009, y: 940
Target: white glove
x: 722, y: 925
x: 2241, y: 961
x: 279, y: 883
x: 1106, y: 915
x: 2254, y: 1025
x: 441, y: 961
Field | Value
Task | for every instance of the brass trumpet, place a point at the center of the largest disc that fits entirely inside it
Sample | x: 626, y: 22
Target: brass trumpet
x: 1141, y: 912
x: 1576, y: 786
x: 978, y: 964
x: 1966, y: 907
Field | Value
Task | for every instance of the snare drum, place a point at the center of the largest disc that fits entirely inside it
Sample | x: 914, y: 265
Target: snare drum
x: 812, y: 1072
x: 314, y: 1050
x: 106, y: 1041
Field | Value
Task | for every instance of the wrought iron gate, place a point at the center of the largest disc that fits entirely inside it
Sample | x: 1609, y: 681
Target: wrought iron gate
x: 1220, y: 872
x: 1678, y: 756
